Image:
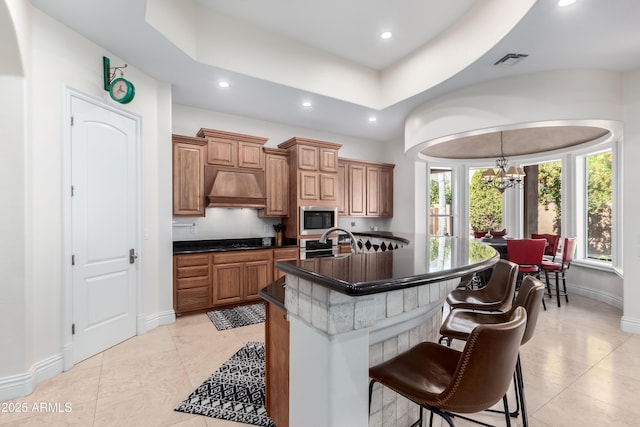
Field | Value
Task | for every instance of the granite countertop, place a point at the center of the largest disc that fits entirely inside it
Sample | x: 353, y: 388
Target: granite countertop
x: 423, y: 261
x: 274, y: 293
x: 223, y: 245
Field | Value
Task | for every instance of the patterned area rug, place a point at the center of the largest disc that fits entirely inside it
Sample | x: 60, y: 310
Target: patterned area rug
x: 235, y: 317
x: 235, y: 391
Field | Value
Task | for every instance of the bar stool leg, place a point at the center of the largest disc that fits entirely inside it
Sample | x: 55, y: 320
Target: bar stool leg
x: 520, y: 386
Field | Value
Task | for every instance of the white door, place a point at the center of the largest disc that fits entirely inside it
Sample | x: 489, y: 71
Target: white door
x: 104, y: 228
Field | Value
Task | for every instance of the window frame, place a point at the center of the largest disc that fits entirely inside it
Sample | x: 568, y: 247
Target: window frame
x: 452, y: 215
x: 581, y: 222
x: 573, y: 198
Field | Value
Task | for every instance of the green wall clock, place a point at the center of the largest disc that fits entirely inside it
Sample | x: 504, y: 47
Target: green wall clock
x: 122, y: 90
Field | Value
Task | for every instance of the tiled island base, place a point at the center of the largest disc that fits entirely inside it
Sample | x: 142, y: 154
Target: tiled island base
x: 335, y: 338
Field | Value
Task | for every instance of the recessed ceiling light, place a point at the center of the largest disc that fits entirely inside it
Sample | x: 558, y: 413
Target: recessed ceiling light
x: 386, y: 35
x: 306, y: 104
x: 223, y: 84
x: 372, y: 119
x: 564, y: 3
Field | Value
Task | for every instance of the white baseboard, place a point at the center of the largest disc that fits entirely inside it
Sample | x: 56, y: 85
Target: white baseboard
x: 22, y: 384
x: 147, y: 322
x: 612, y: 300
x: 630, y: 325
x: 161, y: 318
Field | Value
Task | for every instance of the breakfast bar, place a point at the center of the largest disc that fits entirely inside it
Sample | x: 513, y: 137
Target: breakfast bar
x: 347, y: 313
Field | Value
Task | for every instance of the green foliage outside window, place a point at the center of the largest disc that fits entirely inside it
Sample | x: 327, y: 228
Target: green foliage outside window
x: 599, y: 203
x: 550, y: 189
x: 485, y: 205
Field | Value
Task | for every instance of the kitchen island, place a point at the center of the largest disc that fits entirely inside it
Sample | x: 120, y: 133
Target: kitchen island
x: 347, y: 313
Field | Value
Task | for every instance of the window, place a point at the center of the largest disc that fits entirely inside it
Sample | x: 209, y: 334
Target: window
x: 485, y: 205
x: 543, y: 199
x: 598, y: 206
x: 440, y: 211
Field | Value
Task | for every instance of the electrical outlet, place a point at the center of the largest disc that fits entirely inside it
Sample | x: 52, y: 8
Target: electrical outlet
x: 265, y: 228
x: 193, y: 229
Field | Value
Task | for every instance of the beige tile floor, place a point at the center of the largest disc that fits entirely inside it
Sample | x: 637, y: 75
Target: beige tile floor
x: 579, y: 370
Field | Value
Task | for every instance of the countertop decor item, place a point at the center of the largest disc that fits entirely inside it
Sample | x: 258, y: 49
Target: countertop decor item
x: 279, y: 229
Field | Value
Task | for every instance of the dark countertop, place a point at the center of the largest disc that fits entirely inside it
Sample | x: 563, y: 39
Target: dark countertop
x: 422, y: 261
x: 222, y: 245
x: 274, y: 293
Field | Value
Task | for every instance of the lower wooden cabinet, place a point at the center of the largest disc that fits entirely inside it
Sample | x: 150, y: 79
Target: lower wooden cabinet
x: 284, y: 254
x: 277, y: 364
x: 212, y: 280
x: 239, y: 275
x: 191, y: 282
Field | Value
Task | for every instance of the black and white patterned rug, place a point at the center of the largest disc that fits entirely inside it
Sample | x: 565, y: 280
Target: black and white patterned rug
x: 235, y: 317
x: 235, y: 391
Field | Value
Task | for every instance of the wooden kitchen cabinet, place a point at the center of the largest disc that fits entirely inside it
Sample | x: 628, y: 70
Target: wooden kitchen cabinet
x: 357, y: 190
x: 233, y: 149
x: 277, y: 183
x: 367, y: 188
x: 237, y: 276
x: 284, y: 254
x: 277, y: 364
x: 189, y: 154
x: 191, y: 282
x: 315, y: 165
x: 385, y: 199
x: 343, y: 191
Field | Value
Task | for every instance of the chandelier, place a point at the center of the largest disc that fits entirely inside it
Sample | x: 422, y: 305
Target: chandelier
x: 503, y: 176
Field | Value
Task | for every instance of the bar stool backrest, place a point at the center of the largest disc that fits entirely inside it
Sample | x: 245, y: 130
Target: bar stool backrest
x: 568, y: 251
x: 530, y: 297
x: 526, y: 251
x: 553, y: 241
x: 486, y: 366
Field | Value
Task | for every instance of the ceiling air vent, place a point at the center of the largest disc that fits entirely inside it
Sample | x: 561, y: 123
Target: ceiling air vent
x: 510, y: 59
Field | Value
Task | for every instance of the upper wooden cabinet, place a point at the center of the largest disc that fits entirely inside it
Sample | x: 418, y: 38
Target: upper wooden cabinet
x: 277, y: 183
x: 233, y: 149
x: 357, y: 185
x: 189, y: 154
x: 315, y: 164
x: 343, y: 191
x: 367, y: 188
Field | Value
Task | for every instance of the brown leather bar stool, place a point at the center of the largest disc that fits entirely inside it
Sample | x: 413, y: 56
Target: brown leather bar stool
x: 446, y: 381
x: 497, y: 295
x: 460, y: 323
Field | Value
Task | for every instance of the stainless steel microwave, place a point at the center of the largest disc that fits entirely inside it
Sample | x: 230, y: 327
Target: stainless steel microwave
x: 317, y: 219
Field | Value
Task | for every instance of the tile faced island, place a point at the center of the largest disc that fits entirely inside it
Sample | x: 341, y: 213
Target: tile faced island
x: 347, y: 313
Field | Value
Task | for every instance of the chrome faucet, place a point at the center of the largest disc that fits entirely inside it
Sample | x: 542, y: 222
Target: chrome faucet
x: 325, y: 235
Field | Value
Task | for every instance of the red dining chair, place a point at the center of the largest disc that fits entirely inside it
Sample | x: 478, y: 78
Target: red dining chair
x: 560, y: 268
x: 528, y: 254
x: 553, y: 241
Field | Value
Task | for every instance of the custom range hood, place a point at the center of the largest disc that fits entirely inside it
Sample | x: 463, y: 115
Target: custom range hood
x: 234, y: 187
